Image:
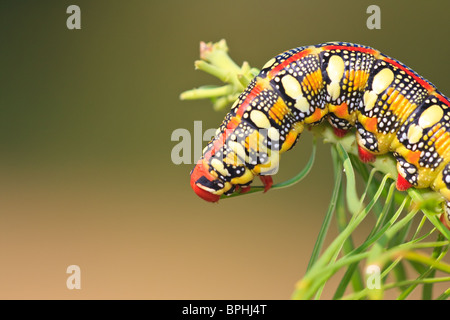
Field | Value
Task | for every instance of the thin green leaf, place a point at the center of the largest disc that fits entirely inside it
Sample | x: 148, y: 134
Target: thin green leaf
x: 445, y: 295
x: 353, y: 202
x: 331, y: 208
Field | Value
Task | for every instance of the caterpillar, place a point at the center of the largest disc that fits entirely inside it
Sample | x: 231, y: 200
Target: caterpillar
x: 393, y: 109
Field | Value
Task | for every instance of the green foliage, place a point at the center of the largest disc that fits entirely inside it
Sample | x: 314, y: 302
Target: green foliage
x: 396, y: 254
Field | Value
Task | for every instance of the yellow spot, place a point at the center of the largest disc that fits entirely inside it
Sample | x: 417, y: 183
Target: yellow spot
x: 273, y: 133
x: 369, y: 100
x: 218, y: 165
x: 259, y: 119
x: 335, y: 70
x: 382, y: 80
x: 237, y: 148
x: 431, y: 116
x: 334, y: 90
x: 291, y: 86
x: 269, y: 63
x: 414, y: 133
x: 245, y: 178
x: 302, y: 104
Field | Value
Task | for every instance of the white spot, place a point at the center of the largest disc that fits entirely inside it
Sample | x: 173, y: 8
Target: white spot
x: 411, y: 170
x: 205, y: 188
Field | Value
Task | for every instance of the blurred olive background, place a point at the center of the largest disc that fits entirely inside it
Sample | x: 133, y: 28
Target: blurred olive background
x: 86, y: 118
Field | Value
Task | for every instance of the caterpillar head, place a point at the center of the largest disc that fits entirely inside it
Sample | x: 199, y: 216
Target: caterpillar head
x: 209, y: 186
x: 231, y: 161
x: 205, y: 185
x: 210, y: 181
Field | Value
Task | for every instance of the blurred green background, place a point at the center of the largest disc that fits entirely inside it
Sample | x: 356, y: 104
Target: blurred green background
x: 86, y: 118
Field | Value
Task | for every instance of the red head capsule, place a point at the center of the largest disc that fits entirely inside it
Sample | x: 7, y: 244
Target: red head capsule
x: 198, y: 172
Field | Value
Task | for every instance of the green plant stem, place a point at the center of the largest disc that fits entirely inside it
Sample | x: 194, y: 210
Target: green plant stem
x: 363, y: 293
x: 306, y: 287
x: 373, y: 236
x: 206, y: 92
x: 427, y: 292
x: 437, y: 255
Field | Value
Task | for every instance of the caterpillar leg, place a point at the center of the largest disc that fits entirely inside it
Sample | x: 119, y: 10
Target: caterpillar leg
x: 267, y: 182
x: 367, y: 144
x: 364, y: 155
x: 340, y: 132
x: 407, y: 173
x: 243, y: 189
x: 402, y: 184
x: 340, y: 126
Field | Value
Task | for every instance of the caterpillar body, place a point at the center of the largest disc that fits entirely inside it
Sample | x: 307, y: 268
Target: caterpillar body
x: 393, y: 108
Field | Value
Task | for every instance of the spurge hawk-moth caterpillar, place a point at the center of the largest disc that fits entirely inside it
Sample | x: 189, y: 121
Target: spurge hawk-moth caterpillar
x: 392, y: 107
